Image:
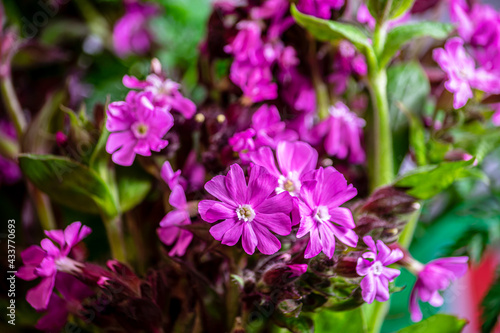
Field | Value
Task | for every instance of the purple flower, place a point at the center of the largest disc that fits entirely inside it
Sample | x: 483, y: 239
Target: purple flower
x: 171, y: 178
x: 321, y: 216
x: 9, y: 170
x: 46, y: 261
x: 131, y: 33
x: 436, y: 275
x: 372, y: 266
x: 347, y: 61
x: 298, y: 91
x: 462, y: 72
x: 165, y: 93
x: 295, y: 159
x: 247, y: 45
x: 319, y: 8
x: 343, y: 130
x: 243, y: 143
x: 297, y: 269
x: 254, y: 81
x: 170, y: 229
x: 137, y: 127
x: 270, y: 9
x: 247, y: 211
x: 73, y: 292
x: 269, y: 129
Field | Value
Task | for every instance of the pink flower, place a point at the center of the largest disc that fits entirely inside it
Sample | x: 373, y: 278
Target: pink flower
x: 295, y: 159
x: 73, y: 292
x: 171, y: 178
x: 269, y: 129
x: 243, y: 143
x: 9, y: 170
x: 343, y: 130
x: 170, y: 229
x: 137, y: 127
x: 247, y: 211
x: 436, y: 275
x: 298, y: 91
x: 247, y: 45
x: 46, y: 261
x: 165, y: 93
x: 254, y: 81
x: 297, y: 269
x: 462, y: 72
x: 371, y: 265
x: 321, y: 216
x: 131, y: 33
x: 319, y: 8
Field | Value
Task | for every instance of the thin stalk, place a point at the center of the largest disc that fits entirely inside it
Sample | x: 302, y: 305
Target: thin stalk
x: 9, y: 148
x: 114, y: 231
x: 43, y: 208
x: 12, y: 105
x: 322, y: 97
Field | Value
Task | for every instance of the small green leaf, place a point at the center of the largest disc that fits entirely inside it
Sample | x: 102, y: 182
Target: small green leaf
x: 379, y: 11
x: 133, y: 186
x: 345, y: 321
x: 439, y: 323
x: 417, y: 140
x: 403, y: 34
x: 325, y: 30
x: 425, y: 182
x: 69, y: 183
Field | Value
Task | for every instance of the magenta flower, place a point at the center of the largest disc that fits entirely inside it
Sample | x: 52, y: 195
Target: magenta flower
x: 247, y: 45
x: 170, y: 230
x: 436, y: 275
x: 131, y: 33
x: 46, y: 261
x: 321, y: 216
x: 343, y: 130
x: 319, y: 8
x: 270, y: 9
x: 9, y: 170
x: 171, y: 178
x: 137, y: 127
x: 256, y: 82
x: 73, y: 292
x: 247, y: 211
x: 347, y: 62
x: 372, y: 265
x: 462, y: 72
x: 165, y: 93
x: 295, y: 159
x: 298, y: 91
x: 297, y: 269
x: 243, y: 143
x: 269, y: 129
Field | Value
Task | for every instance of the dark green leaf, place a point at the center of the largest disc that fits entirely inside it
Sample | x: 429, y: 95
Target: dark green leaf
x: 325, y: 30
x: 378, y: 8
x: 425, y: 182
x: 69, y: 183
x: 439, y: 323
x: 300, y: 324
x: 133, y: 186
x: 345, y: 321
x: 491, y: 307
x: 403, y: 34
x: 407, y: 88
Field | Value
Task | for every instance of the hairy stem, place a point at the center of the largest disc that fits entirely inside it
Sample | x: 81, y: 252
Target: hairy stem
x: 12, y: 105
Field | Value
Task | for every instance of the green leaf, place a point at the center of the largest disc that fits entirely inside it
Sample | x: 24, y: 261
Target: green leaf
x: 300, y: 324
x: 491, y: 307
x: 345, y: 321
x: 407, y: 89
x: 325, y: 30
x: 439, y: 323
x: 425, y: 182
x: 417, y: 140
x: 69, y: 183
x: 133, y: 186
x: 379, y: 11
x: 403, y: 34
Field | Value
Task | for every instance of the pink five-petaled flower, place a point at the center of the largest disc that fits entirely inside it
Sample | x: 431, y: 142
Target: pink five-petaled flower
x: 344, y: 131
x: 131, y: 33
x: 247, y: 211
x: 436, y: 275
x: 165, y: 93
x: 73, y: 291
x: 170, y: 230
x: 137, y: 127
x: 321, y: 217
x: 372, y: 266
x: 462, y: 72
x: 295, y: 159
x: 46, y: 261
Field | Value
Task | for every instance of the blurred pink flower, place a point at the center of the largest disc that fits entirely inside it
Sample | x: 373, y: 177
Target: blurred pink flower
x: 319, y: 8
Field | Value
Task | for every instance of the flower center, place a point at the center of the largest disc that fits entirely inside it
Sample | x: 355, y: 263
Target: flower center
x: 321, y: 214
x: 290, y: 183
x: 140, y: 130
x: 377, y: 268
x: 68, y: 265
x: 245, y: 213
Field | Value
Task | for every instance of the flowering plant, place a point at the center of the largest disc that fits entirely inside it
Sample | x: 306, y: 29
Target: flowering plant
x: 252, y: 165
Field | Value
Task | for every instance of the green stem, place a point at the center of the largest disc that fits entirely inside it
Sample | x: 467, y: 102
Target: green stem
x: 407, y: 234
x: 322, y: 97
x: 114, y: 231
x: 12, y: 105
x: 9, y: 148
x: 43, y: 208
